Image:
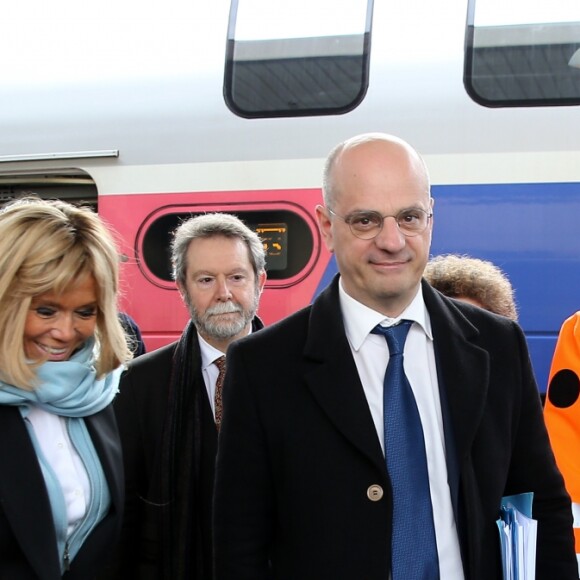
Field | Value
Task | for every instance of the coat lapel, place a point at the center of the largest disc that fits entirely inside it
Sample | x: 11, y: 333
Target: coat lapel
x: 463, y: 376
x: 333, y: 378
x: 462, y: 369
x: 23, y: 496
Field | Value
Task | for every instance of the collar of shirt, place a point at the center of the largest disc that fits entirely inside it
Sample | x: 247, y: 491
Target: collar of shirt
x: 359, y: 319
x: 208, y: 353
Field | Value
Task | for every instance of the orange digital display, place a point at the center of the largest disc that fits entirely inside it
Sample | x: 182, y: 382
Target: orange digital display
x: 275, y: 240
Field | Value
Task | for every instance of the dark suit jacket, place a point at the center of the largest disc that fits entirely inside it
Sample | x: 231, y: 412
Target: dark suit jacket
x: 140, y: 408
x: 27, y: 537
x: 298, y: 450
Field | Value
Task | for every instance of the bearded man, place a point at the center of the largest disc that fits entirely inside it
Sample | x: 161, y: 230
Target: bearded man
x: 169, y: 406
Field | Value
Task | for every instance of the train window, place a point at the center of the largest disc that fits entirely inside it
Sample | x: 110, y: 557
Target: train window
x: 286, y: 236
x: 523, y: 52
x: 288, y: 59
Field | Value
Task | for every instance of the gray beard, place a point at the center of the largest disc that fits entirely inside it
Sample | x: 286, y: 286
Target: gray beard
x: 210, y: 325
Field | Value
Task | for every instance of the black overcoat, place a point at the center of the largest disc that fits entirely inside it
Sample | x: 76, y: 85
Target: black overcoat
x: 298, y: 450
x: 28, y: 549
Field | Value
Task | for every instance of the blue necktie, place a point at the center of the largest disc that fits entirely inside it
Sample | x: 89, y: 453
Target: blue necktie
x: 414, y: 549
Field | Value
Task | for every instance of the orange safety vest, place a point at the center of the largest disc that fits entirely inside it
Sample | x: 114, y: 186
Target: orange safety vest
x: 562, y: 412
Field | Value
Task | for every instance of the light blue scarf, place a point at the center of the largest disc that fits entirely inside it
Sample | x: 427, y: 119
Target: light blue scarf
x: 67, y: 388
x: 70, y: 389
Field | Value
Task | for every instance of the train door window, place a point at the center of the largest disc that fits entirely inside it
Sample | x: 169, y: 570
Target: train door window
x: 287, y: 237
x: 523, y: 52
x: 305, y: 57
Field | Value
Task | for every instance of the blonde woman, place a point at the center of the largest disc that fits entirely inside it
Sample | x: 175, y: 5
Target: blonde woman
x: 62, y: 350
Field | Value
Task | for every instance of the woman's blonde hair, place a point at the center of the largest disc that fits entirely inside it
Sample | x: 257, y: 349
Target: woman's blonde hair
x: 50, y: 246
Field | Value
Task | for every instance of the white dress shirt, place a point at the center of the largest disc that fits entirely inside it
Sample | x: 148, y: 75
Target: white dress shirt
x: 55, y: 444
x: 371, y: 355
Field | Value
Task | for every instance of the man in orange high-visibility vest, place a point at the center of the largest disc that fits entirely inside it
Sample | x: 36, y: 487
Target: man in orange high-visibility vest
x: 562, y: 413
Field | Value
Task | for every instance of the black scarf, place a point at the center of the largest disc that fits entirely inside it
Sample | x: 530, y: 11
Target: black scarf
x: 182, y: 548
x: 181, y: 446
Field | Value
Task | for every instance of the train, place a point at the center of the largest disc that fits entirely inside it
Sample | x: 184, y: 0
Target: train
x: 152, y: 112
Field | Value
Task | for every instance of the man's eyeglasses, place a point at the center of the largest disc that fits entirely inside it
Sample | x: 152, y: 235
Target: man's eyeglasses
x: 367, y: 225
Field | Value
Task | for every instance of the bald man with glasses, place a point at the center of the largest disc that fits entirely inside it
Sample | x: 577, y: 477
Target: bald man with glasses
x: 372, y: 435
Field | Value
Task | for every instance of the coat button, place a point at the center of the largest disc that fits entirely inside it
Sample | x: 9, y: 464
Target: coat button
x: 375, y: 492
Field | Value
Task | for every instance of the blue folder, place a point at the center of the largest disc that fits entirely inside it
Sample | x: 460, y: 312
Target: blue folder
x: 517, y: 536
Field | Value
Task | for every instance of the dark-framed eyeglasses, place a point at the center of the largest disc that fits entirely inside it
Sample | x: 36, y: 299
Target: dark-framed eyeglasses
x: 367, y: 225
